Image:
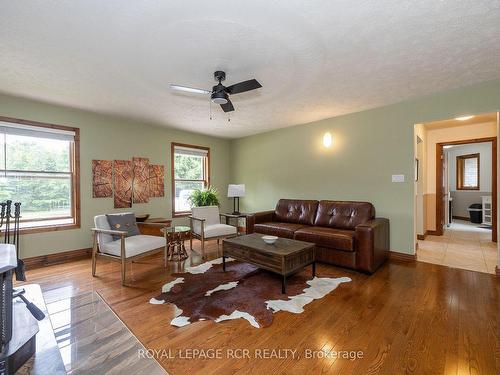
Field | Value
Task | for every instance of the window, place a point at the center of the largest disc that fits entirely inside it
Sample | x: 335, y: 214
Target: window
x: 190, y: 170
x: 468, y: 172
x: 38, y: 167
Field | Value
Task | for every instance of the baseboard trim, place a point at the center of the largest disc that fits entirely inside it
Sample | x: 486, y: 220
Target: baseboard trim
x: 421, y: 237
x: 465, y: 218
x: 431, y: 233
x: 57, y: 258
x: 497, y: 271
x: 401, y: 257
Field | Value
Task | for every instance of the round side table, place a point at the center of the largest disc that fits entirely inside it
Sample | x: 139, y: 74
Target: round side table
x: 175, y: 242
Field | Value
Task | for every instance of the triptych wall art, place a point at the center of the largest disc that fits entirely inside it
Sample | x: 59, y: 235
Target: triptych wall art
x: 132, y: 181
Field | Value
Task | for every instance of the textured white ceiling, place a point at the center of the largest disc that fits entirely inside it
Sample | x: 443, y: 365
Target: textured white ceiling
x: 315, y: 59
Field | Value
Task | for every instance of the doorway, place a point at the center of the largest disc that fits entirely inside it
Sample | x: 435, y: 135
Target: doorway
x: 456, y: 204
x: 444, y: 201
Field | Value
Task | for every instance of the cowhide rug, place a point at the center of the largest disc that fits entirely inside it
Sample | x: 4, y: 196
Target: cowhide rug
x: 205, y: 292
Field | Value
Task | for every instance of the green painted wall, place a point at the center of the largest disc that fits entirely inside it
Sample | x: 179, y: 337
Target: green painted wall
x: 368, y: 148
x: 105, y: 137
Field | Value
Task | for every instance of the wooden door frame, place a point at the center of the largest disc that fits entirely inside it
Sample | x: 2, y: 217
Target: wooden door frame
x: 439, y: 184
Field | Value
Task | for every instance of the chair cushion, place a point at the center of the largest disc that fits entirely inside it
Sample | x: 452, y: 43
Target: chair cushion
x: 285, y: 230
x: 124, y: 222
x: 134, y: 245
x: 343, y: 214
x: 217, y: 230
x: 296, y: 211
x: 209, y: 213
x: 327, y: 237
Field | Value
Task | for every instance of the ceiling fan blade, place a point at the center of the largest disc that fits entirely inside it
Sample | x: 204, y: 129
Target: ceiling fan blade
x: 189, y: 89
x: 228, y: 107
x: 251, y: 84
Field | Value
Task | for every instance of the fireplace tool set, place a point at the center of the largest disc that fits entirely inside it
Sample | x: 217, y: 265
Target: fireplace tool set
x: 9, y: 222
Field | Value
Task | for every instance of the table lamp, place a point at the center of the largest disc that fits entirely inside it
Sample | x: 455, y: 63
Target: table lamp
x: 236, y: 191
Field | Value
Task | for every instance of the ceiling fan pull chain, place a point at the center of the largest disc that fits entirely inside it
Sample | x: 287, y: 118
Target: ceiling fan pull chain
x: 210, y: 106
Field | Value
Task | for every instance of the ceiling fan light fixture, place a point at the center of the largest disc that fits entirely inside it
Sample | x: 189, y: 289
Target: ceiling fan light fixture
x: 219, y: 100
x: 219, y: 97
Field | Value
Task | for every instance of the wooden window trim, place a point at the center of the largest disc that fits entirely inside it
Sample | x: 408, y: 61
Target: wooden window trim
x: 172, y: 173
x: 74, y: 170
x: 460, y: 171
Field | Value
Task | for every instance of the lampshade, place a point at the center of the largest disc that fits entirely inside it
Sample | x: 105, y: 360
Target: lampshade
x: 234, y: 190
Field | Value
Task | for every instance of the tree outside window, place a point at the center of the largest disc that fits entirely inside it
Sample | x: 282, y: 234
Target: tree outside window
x: 37, y: 168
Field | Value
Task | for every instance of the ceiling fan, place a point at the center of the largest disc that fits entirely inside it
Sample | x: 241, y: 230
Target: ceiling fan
x: 220, y: 93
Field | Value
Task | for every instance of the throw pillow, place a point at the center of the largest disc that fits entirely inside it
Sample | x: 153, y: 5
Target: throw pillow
x: 123, y: 222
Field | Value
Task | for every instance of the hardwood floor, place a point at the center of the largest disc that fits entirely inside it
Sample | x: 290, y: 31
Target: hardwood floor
x: 416, y: 318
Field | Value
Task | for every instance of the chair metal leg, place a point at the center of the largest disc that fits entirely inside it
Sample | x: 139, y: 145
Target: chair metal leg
x: 94, y: 254
x: 94, y: 260
x: 122, y: 254
x: 124, y: 267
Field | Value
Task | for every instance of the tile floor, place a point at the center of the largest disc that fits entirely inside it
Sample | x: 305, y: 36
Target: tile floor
x: 463, y: 245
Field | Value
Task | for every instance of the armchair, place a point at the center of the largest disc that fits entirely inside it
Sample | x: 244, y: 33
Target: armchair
x: 205, y: 225
x: 125, y: 249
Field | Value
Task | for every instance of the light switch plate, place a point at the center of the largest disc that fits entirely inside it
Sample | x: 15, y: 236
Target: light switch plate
x: 398, y: 178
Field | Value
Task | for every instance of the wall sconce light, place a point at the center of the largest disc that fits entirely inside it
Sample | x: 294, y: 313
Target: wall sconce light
x: 327, y: 139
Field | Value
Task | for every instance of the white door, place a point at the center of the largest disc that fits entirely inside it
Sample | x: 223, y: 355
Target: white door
x: 419, y: 190
x: 446, y: 191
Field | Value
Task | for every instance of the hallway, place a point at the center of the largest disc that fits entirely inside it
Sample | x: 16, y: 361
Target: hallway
x: 463, y: 245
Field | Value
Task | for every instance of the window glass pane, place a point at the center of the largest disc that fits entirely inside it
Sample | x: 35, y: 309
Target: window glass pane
x: 470, y: 172
x: 41, y: 195
x: 188, y: 167
x: 2, y: 150
x: 182, y: 191
x: 37, y: 154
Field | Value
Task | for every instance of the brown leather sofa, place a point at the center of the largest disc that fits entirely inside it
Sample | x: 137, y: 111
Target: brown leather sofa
x: 346, y: 234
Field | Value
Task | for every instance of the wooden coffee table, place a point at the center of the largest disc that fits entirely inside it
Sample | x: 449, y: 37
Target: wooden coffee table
x: 284, y: 257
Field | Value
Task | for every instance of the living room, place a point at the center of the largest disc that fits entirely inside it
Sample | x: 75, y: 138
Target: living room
x: 295, y: 122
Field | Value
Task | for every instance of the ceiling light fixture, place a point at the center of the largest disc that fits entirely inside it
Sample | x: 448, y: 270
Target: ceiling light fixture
x: 463, y: 118
x: 219, y: 97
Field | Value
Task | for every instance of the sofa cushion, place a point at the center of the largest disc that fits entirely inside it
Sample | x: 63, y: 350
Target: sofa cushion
x: 343, y: 214
x: 327, y: 237
x: 296, y: 211
x: 285, y: 230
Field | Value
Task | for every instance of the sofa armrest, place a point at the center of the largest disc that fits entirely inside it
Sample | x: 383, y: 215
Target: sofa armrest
x: 258, y: 217
x: 372, y: 244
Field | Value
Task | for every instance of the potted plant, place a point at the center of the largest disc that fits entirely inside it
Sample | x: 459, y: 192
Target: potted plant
x: 204, y: 197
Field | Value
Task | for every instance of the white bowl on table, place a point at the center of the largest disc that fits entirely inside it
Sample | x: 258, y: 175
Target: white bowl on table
x: 269, y: 239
